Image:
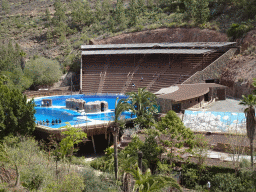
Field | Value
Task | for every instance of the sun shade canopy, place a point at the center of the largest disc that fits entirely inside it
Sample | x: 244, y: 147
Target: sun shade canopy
x: 147, y: 51
x: 188, y: 45
x: 189, y: 91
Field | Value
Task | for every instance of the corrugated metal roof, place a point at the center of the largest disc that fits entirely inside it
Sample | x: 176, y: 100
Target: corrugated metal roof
x: 147, y: 51
x: 170, y: 45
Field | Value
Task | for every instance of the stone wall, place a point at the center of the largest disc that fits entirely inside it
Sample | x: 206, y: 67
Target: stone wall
x: 213, y: 71
x: 77, y: 104
x: 192, y: 103
x: 165, y: 105
x: 92, y: 107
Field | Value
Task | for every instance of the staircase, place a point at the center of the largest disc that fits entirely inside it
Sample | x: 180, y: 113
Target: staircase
x: 102, y: 79
x: 130, y: 76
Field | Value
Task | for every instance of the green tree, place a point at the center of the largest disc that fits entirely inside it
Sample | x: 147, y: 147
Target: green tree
x: 151, y: 150
x: 198, y: 9
x: 237, y: 31
x: 250, y: 101
x: 248, y: 8
x: 59, y: 20
x: 18, y: 112
x: 72, y: 136
x: 59, y: 15
x: 149, y: 183
x: 47, y: 18
x: 111, y: 24
x: 143, y: 104
x: 200, y: 150
x: 175, y: 132
x: 22, y: 60
x: 141, y: 6
x: 17, y: 79
x: 120, y: 14
x: 120, y: 107
x: 98, y: 10
x: 11, y: 65
x: 43, y: 71
x: 81, y: 12
x: 133, y: 12
x: 6, y: 157
x: 106, y: 8
x: 9, y: 57
x: 6, y: 6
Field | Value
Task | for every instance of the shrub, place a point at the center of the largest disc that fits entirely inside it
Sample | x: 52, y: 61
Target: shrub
x: 101, y: 183
x: 138, y: 28
x: 225, y: 182
x: 72, y: 182
x: 34, y: 182
x: 16, y: 79
x: 78, y: 44
x: 189, y: 178
x: 250, y: 50
x: 16, y: 114
x: 238, y: 30
x: 43, y: 71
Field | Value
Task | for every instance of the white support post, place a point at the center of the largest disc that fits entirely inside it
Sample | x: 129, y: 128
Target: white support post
x: 81, y: 73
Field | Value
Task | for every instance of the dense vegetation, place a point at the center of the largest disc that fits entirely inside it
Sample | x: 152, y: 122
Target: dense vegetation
x: 16, y: 114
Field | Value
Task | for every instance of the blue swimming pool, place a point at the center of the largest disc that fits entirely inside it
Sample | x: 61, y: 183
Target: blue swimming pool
x: 59, y: 112
x: 60, y: 100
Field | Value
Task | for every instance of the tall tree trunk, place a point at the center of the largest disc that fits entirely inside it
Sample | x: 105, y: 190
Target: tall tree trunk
x: 17, y: 183
x: 22, y: 63
x: 251, y: 143
x: 115, y: 154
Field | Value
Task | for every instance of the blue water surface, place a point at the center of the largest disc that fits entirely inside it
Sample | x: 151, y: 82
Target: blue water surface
x: 72, y: 116
x: 61, y: 100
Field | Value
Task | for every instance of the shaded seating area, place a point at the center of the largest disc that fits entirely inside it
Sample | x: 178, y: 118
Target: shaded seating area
x: 121, y: 68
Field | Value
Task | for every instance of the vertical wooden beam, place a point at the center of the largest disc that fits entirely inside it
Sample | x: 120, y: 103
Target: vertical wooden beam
x: 81, y: 73
x: 140, y: 160
x: 93, y: 145
x: 109, y: 139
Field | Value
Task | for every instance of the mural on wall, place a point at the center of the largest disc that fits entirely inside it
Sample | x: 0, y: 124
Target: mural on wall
x: 210, y: 121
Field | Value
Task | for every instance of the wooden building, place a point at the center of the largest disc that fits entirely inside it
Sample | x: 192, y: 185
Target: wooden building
x: 121, y: 68
x: 181, y: 97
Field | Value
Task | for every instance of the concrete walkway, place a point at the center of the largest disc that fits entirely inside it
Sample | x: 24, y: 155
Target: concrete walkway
x: 225, y: 156
x: 228, y: 105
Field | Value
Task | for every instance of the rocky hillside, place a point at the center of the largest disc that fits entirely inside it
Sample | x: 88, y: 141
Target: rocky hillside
x: 26, y: 23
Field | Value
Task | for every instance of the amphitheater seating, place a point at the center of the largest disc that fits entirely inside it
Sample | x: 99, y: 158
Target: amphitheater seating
x: 114, y: 82
x: 156, y: 71
x: 91, y: 75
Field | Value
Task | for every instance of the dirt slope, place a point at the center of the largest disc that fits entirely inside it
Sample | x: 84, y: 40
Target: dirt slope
x: 171, y: 35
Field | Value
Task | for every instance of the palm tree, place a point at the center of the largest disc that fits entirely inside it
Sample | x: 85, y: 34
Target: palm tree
x: 143, y: 104
x: 120, y: 107
x: 250, y: 119
x: 150, y: 183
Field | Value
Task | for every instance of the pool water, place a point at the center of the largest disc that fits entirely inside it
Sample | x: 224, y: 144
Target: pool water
x: 58, y: 111
x: 61, y: 100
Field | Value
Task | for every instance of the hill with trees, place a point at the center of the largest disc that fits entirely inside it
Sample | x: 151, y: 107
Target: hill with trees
x: 56, y: 29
